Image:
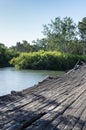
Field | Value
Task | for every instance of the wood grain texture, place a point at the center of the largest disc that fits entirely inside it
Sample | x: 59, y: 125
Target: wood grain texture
x: 53, y: 104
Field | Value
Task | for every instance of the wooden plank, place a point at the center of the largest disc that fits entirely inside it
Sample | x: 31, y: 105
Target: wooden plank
x: 62, y: 120
x: 51, y: 105
x: 38, y: 125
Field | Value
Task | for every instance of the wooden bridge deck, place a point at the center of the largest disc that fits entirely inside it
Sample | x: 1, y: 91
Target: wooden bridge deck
x: 54, y: 104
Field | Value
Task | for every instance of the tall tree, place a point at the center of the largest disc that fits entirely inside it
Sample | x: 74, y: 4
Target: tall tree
x: 59, y: 32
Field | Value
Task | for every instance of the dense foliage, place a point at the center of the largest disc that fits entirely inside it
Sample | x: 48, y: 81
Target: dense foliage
x: 62, y: 35
x: 59, y: 35
x: 6, y: 55
x: 46, y: 60
x: 61, y: 47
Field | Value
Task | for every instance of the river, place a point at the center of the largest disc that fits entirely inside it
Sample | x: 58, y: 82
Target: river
x: 12, y: 79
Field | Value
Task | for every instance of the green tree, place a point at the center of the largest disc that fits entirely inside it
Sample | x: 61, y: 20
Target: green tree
x: 40, y: 44
x: 26, y: 46
x: 82, y: 30
x: 4, y: 55
x: 59, y: 32
x: 22, y: 47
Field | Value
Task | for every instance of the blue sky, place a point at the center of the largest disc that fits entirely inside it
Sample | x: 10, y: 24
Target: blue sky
x: 24, y: 19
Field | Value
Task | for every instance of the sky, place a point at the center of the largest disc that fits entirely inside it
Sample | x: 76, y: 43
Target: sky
x: 24, y: 19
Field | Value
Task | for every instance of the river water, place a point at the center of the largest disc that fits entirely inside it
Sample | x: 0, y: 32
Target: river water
x: 12, y: 79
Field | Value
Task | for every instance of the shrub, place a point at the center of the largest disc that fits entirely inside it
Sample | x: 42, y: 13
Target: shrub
x: 46, y: 60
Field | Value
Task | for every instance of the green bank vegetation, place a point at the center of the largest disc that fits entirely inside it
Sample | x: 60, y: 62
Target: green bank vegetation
x: 46, y: 60
x: 6, y: 55
x: 64, y: 43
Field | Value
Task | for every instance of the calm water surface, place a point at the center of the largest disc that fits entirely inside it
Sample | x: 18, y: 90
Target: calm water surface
x: 12, y: 79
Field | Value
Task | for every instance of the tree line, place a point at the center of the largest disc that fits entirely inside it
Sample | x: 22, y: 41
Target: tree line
x: 61, y: 35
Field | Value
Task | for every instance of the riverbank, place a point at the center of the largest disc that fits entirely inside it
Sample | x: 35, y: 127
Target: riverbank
x: 55, y: 103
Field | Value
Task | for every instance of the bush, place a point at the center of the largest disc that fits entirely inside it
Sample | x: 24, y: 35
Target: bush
x: 46, y: 60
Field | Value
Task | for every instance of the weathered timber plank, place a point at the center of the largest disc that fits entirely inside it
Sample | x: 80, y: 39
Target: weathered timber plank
x: 81, y: 122
x: 38, y: 125
x: 54, y: 104
x: 72, y: 118
x: 64, y: 119
x: 24, y: 113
